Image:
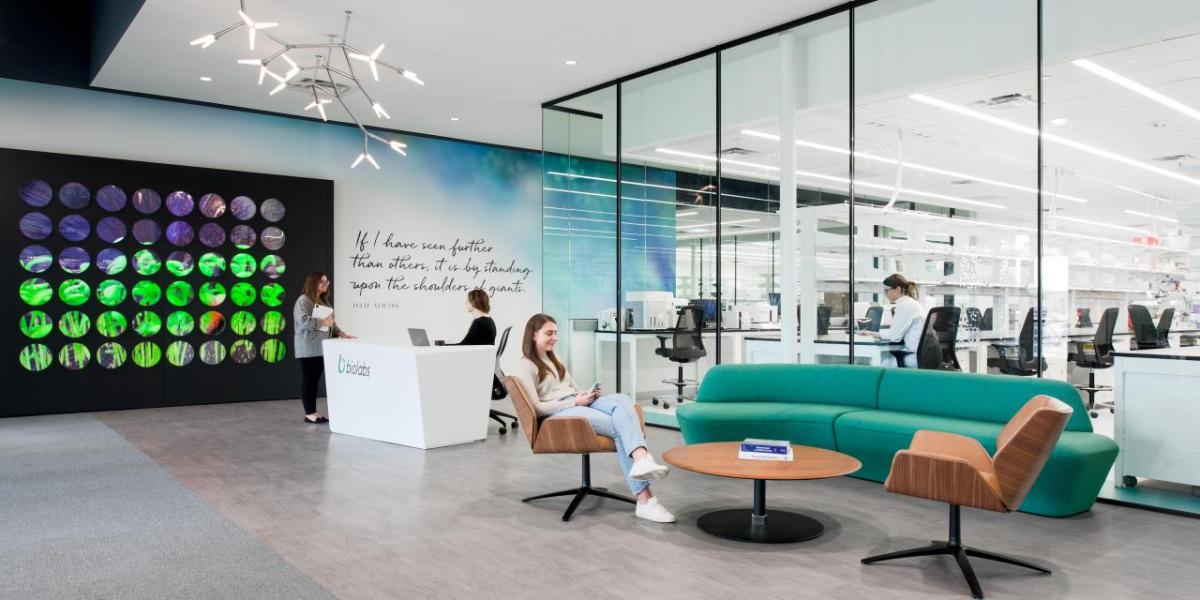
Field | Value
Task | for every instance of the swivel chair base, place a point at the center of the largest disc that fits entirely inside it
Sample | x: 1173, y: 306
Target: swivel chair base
x: 1091, y: 389
x: 584, y: 490
x: 504, y: 427
x: 679, y: 384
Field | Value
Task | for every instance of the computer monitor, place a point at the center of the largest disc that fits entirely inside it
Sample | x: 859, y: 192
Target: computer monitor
x: 710, y: 309
x: 418, y: 337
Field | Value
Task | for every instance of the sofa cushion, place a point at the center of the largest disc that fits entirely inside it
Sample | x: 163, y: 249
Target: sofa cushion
x: 807, y: 424
x: 853, y: 385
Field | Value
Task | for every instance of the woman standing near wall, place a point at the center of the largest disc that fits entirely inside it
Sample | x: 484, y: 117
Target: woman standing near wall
x: 310, y: 332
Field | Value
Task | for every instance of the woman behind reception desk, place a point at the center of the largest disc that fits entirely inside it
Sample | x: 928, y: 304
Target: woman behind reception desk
x: 483, y: 328
x: 310, y: 332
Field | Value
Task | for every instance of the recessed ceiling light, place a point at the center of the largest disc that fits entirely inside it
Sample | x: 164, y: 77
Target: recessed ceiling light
x: 570, y: 63
x: 205, y: 78
x: 1058, y: 122
x: 454, y: 118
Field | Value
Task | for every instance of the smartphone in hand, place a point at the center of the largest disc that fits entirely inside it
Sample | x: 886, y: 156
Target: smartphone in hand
x: 595, y: 388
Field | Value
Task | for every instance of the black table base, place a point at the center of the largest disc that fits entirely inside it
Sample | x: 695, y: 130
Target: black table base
x: 759, y: 526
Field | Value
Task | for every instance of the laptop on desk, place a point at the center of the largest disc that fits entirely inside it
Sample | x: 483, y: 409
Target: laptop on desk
x: 418, y: 337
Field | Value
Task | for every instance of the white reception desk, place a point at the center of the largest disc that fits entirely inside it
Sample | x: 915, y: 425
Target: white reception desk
x: 1157, y: 414
x: 424, y: 397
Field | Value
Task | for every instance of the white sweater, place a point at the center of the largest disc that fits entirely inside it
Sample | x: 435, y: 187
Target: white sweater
x: 907, y: 323
x: 548, y: 394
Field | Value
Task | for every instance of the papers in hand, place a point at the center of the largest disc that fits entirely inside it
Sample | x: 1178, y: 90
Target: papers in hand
x: 320, y: 312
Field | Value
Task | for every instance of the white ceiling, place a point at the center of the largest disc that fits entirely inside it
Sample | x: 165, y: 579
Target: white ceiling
x: 490, y: 63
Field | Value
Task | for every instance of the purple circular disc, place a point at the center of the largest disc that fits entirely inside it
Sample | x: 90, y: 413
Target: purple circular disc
x: 212, y: 235
x: 147, y: 231
x: 74, y: 228
x: 111, y: 261
x: 180, y: 203
x: 242, y: 236
x: 36, y: 193
x: 111, y: 198
x: 212, y: 205
x: 111, y: 229
x: 36, y: 259
x: 242, y: 208
x: 180, y: 233
x: 36, y: 226
x: 74, y: 260
x: 146, y: 201
x: 272, y: 210
x: 272, y: 238
x: 74, y: 195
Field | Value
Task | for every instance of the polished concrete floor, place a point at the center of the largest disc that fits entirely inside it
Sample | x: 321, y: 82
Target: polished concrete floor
x: 365, y: 519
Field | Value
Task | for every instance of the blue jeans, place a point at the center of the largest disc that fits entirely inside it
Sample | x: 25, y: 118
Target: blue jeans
x: 613, y: 416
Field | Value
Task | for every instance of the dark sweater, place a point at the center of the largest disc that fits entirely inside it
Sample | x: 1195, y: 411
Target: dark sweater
x: 481, y: 333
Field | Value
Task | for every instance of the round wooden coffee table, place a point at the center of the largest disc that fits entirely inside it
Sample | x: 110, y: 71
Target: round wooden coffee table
x: 752, y: 525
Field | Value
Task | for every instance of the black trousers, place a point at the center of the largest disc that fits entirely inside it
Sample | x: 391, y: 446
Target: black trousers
x: 311, y: 369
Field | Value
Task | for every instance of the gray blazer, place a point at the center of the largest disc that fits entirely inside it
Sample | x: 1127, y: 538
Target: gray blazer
x: 308, y: 335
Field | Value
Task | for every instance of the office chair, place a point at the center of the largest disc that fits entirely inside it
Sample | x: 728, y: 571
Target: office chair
x: 1145, y: 333
x: 938, y: 337
x: 686, y: 346
x: 956, y: 470
x: 1164, y: 327
x: 985, y: 324
x: 1083, y: 317
x: 498, y: 391
x: 1096, y: 354
x: 875, y: 318
x: 1020, y: 358
x: 974, y: 317
x: 824, y: 313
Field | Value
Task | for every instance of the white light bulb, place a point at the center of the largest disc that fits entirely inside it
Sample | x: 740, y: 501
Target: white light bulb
x: 398, y: 147
x: 205, y: 41
x: 379, y: 112
x: 371, y: 159
x: 360, y: 158
x: 409, y: 75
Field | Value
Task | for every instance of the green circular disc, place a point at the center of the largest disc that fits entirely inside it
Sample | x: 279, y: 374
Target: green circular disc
x: 147, y: 323
x: 273, y: 323
x: 180, y: 353
x: 272, y: 295
x: 111, y: 355
x: 180, y: 264
x: 180, y: 293
x: 110, y: 324
x: 272, y: 266
x: 36, y: 291
x: 243, y: 323
x: 242, y: 265
x: 146, y: 262
x: 146, y: 293
x: 212, y: 323
x: 74, y: 292
x: 74, y: 356
x: 212, y: 352
x: 146, y: 354
x: 35, y: 357
x: 74, y: 324
x: 243, y: 352
x: 273, y: 351
x: 111, y: 292
x: 212, y: 264
x: 212, y: 293
x: 36, y: 324
x: 243, y: 294
x: 180, y: 323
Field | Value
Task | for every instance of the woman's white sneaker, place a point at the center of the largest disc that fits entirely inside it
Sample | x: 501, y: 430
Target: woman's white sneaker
x: 651, y: 510
x: 645, y: 469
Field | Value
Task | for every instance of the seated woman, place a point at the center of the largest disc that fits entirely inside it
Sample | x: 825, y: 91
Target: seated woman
x: 483, y: 329
x: 611, y: 415
x: 908, y: 319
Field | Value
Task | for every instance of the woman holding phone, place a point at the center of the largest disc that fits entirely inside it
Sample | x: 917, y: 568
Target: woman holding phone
x: 310, y: 332
x: 555, y: 395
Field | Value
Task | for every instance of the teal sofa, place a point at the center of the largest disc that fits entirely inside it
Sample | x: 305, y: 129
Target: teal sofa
x: 870, y: 413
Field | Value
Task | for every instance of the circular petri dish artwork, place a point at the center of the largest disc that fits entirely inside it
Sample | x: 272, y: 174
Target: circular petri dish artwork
x: 74, y: 228
x: 111, y: 198
x: 74, y: 292
x: 212, y: 264
x: 272, y: 238
x: 212, y: 323
x: 180, y: 353
x: 212, y: 293
x: 242, y: 236
x: 36, y: 259
x: 111, y: 229
x: 111, y: 324
x: 111, y: 261
x: 242, y: 323
x: 180, y: 233
x: 35, y: 291
x: 35, y: 357
x: 180, y: 293
x: 111, y: 292
x: 273, y: 266
x: 146, y: 201
x: 147, y: 231
x: 147, y: 323
x: 36, y: 324
x: 146, y: 293
x: 273, y: 322
x: 243, y: 294
x: 242, y: 265
x: 36, y: 193
x: 212, y: 235
x: 146, y: 262
x: 74, y: 195
x: 74, y: 324
x: 111, y: 355
x: 74, y: 260
x: 242, y: 208
x: 146, y: 354
x: 243, y: 352
x: 212, y: 205
x: 272, y: 210
x: 74, y: 356
x: 180, y: 203
x: 180, y: 263
x: 36, y: 226
x: 273, y: 351
x: 272, y: 295
x: 212, y: 352
x: 180, y: 323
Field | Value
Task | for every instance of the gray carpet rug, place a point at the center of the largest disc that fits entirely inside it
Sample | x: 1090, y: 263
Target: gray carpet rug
x: 98, y: 519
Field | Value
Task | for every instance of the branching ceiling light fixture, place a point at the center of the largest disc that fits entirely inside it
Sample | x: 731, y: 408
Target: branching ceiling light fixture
x: 330, y: 82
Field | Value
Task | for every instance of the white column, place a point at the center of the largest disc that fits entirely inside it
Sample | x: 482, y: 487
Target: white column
x: 787, y: 195
x: 807, y: 271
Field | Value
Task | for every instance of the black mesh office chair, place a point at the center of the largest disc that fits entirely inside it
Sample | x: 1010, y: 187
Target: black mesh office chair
x: 686, y: 346
x: 823, y: 315
x: 1096, y: 354
x: 1145, y: 333
x: 974, y: 317
x: 938, y: 338
x: 985, y: 324
x: 1164, y: 327
x: 1020, y: 358
x: 498, y: 391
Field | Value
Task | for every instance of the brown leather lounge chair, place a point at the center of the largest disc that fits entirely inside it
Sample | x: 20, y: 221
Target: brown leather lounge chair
x: 954, y: 469
x: 563, y: 435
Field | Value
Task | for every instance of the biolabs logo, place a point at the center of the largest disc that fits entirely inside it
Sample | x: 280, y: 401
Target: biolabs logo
x: 351, y: 367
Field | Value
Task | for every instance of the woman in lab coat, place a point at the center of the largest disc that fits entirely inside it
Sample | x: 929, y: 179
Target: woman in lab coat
x: 908, y: 319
